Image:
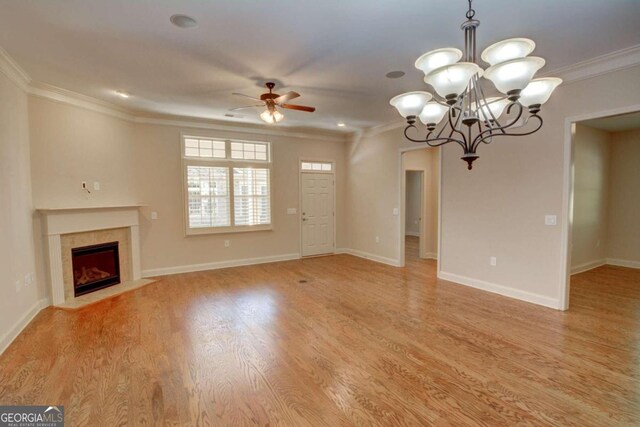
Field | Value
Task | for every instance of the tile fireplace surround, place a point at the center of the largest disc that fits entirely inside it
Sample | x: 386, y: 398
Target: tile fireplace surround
x: 90, y: 225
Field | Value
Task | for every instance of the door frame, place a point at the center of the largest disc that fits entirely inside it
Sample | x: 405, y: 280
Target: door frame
x: 422, y: 230
x: 401, y: 202
x: 566, y: 217
x: 332, y: 172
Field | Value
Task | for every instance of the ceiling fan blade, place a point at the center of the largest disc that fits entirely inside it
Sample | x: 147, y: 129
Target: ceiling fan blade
x: 298, y: 107
x: 247, y: 106
x: 246, y: 96
x: 286, y: 97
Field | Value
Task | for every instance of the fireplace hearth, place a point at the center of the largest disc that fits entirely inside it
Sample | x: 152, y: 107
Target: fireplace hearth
x: 95, y: 267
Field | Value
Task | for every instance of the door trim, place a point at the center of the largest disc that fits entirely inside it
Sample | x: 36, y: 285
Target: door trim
x: 332, y: 172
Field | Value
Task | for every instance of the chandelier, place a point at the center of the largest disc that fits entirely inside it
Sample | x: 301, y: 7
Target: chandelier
x: 459, y: 111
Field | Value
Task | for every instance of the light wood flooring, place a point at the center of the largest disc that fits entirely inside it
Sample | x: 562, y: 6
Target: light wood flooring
x: 335, y: 341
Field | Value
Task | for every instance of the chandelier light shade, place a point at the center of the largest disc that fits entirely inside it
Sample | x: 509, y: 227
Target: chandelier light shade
x: 438, y: 58
x: 410, y: 104
x: 538, y: 91
x: 515, y: 74
x: 507, y: 50
x: 433, y: 113
x: 459, y: 111
x: 271, y: 116
x: 452, y: 79
x: 493, y: 108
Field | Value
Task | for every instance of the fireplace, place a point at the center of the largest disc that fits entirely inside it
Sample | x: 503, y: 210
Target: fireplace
x: 95, y: 267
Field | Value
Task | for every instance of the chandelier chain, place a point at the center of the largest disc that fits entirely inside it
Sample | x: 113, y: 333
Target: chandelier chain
x: 470, y: 13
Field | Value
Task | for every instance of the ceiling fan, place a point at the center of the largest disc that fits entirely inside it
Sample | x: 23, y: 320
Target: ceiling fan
x: 271, y: 101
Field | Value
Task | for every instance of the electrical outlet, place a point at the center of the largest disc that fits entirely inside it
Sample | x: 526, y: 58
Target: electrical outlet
x: 227, y: 243
x: 377, y: 239
x: 396, y: 211
x: 493, y: 261
x: 550, y: 220
x: 154, y: 215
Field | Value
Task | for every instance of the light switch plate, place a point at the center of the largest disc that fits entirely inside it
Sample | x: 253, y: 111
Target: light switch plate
x: 550, y: 220
x: 396, y: 211
x: 154, y: 215
x: 292, y: 211
x: 96, y: 186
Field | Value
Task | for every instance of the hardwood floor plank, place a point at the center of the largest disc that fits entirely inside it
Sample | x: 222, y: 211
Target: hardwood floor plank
x: 358, y: 343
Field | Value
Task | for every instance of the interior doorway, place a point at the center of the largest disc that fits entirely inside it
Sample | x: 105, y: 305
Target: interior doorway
x: 414, y: 210
x: 603, y: 239
x: 419, y: 205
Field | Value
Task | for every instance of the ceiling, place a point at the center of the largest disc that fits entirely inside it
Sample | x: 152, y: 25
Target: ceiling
x: 334, y: 52
x: 619, y: 123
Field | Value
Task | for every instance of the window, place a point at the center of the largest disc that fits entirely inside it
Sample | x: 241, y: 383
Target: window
x: 228, y: 185
x: 316, y: 166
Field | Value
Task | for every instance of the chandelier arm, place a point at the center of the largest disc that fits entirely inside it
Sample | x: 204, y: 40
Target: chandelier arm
x: 453, y: 127
x: 487, y: 138
x: 498, y: 130
x: 429, y: 141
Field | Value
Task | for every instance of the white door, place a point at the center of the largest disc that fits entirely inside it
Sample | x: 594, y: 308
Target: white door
x: 317, y: 213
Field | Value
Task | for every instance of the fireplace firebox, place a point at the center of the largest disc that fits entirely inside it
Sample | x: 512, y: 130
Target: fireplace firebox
x: 95, y: 267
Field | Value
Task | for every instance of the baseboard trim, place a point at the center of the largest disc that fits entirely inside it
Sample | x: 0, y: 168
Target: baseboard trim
x: 431, y: 255
x: 8, y: 338
x: 369, y: 256
x: 588, y: 266
x: 501, y: 290
x: 623, y: 263
x: 154, y: 272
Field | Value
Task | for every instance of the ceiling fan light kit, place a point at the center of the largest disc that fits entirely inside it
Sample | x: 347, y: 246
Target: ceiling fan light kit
x: 459, y: 111
x: 271, y: 101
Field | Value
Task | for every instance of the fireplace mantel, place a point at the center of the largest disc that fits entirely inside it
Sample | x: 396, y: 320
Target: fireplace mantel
x: 58, y: 221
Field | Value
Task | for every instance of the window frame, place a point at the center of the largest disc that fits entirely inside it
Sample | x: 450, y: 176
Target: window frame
x: 229, y: 164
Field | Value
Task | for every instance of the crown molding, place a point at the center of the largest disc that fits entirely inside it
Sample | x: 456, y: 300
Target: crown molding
x: 13, y: 71
x: 55, y: 93
x: 594, y: 67
x: 604, y: 64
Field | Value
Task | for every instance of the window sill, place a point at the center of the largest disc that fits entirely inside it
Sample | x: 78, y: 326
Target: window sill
x: 227, y: 230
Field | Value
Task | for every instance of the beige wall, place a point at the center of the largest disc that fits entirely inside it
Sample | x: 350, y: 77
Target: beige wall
x: 141, y: 163
x: 159, y: 174
x: 16, y: 235
x: 590, y: 199
x: 497, y: 209
x: 624, y: 201
x: 70, y: 145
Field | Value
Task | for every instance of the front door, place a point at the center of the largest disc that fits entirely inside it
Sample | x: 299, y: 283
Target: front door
x: 317, y: 214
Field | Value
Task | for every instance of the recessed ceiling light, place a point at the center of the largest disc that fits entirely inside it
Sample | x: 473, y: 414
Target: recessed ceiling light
x: 341, y: 125
x: 122, y: 94
x: 395, y: 74
x: 183, y: 21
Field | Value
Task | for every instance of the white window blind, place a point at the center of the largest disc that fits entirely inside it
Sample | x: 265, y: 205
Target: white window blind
x: 208, y: 196
x: 228, y: 185
x: 251, y: 196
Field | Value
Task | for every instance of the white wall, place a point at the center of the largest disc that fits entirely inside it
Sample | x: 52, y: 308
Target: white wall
x: 590, y: 200
x: 623, y: 245
x: 16, y: 234
x: 498, y: 208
